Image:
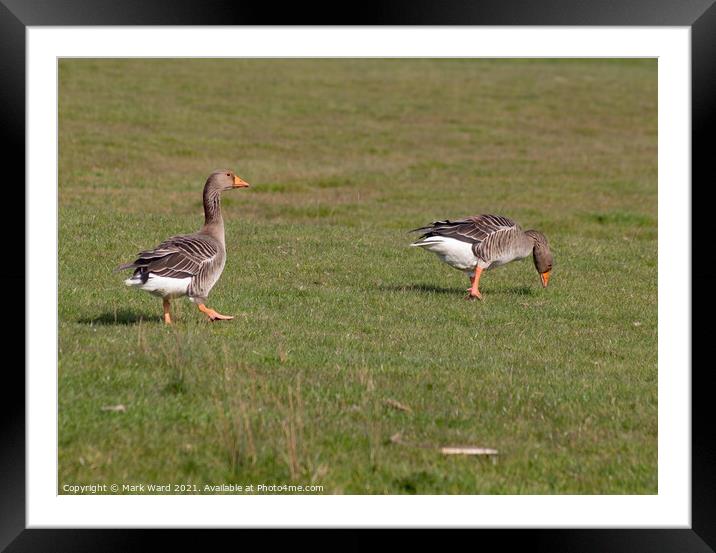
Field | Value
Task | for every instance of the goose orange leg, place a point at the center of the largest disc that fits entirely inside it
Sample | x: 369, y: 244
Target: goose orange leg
x: 213, y: 315
x: 167, y: 315
x: 474, y: 291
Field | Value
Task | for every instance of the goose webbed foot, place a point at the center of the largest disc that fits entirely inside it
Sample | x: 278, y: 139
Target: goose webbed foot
x: 472, y: 294
x: 213, y: 315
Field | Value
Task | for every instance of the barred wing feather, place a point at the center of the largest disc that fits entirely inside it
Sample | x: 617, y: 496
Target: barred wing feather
x: 471, y: 229
x: 177, y: 257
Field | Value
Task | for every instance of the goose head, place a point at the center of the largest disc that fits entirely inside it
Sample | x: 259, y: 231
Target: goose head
x: 542, y: 255
x: 225, y: 179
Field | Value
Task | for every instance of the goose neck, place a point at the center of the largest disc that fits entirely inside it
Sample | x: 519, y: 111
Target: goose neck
x: 213, y: 220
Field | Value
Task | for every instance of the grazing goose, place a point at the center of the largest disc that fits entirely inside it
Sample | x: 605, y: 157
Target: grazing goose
x: 189, y: 264
x: 482, y: 242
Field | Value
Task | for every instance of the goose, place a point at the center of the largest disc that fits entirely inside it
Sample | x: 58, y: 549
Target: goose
x: 189, y: 264
x: 475, y: 244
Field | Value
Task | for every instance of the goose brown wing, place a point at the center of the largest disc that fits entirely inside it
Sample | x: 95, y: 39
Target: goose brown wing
x: 471, y: 229
x: 177, y: 257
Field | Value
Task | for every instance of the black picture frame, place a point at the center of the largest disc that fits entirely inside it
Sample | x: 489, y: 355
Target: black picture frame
x: 16, y: 15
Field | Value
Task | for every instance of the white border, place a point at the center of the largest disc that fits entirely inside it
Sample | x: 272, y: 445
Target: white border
x: 670, y: 508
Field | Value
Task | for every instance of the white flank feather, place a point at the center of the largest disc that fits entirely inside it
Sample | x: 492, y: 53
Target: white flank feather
x: 456, y: 253
x: 161, y: 286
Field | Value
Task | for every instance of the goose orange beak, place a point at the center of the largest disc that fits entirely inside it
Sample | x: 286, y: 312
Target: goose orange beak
x: 240, y: 183
x: 545, y: 278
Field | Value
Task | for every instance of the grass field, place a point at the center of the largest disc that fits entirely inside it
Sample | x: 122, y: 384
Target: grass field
x: 338, y: 322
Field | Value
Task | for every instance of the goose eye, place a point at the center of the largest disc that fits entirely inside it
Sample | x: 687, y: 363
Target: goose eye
x: 228, y: 174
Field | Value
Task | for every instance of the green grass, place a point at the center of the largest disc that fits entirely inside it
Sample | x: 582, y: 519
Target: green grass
x: 335, y: 315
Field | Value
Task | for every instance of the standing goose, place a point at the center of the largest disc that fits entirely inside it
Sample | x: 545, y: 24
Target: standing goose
x: 482, y: 242
x: 189, y: 264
